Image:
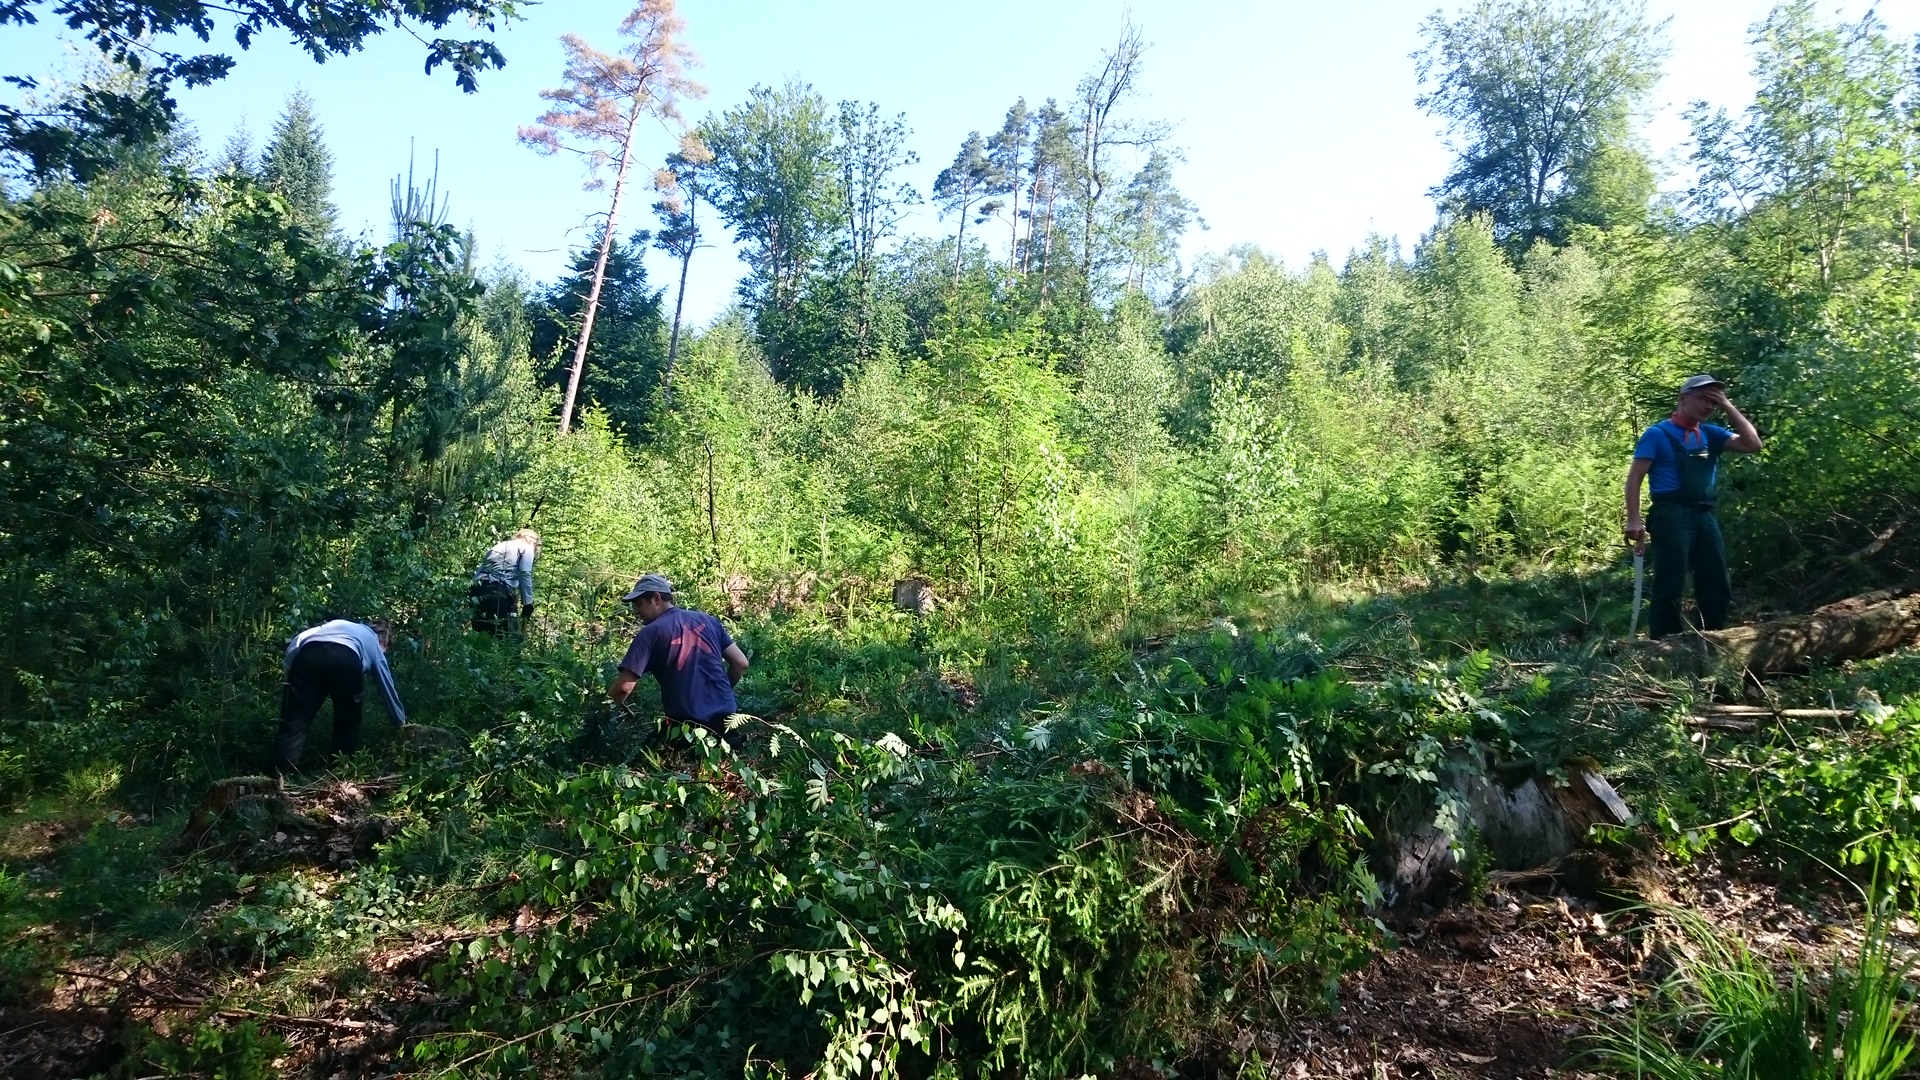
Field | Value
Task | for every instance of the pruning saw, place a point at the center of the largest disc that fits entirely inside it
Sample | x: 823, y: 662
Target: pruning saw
x: 1639, y: 587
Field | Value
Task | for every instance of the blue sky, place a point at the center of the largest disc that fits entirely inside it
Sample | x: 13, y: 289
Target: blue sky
x: 1297, y: 118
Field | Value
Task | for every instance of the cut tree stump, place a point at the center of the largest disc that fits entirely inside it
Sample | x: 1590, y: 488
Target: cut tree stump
x: 1517, y: 827
x: 1856, y: 628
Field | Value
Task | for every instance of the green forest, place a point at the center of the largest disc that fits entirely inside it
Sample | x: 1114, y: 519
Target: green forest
x: 1157, y: 670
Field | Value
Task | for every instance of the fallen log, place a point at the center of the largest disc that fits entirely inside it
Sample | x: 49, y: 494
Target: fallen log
x: 1723, y: 723
x: 1856, y: 628
x: 1764, y: 711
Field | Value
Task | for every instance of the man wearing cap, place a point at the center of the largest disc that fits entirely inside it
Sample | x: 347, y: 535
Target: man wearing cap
x: 1680, y: 457
x: 505, y: 576
x: 688, y: 652
x: 331, y: 661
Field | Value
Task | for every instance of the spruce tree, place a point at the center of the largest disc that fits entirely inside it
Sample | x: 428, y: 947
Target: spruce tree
x: 236, y: 157
x: 298, y: 165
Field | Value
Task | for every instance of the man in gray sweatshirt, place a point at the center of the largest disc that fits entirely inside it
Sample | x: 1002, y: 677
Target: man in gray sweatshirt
x: 505, y: 576
x: 331, y: 661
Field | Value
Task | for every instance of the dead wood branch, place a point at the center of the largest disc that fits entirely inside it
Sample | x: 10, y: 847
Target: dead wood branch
x: 1859, y: 627
x: 1723, y: 723
x: 1764, y: 711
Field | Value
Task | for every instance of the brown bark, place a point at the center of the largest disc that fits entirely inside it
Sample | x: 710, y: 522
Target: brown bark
x: 680, y: 301
x: 1517, y: 828
x: 599, y: 275
x: 1856, y: 628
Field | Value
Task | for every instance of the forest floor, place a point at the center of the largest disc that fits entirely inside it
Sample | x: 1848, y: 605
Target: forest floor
x: 1515, y: 984
x: 1510, y: 984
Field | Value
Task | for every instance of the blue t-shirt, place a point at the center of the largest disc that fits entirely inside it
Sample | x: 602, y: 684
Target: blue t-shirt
x: 1665, y: 442
x: 683, y: 649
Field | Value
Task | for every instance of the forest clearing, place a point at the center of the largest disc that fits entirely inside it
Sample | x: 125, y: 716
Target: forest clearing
x: 1078, y: 663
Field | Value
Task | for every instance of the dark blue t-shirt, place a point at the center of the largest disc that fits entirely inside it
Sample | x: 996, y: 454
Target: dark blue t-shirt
x: 682, y: 650
x: 1666, y: 442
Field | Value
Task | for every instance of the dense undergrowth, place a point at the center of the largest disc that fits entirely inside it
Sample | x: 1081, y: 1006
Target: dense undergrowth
x: 943, y: 863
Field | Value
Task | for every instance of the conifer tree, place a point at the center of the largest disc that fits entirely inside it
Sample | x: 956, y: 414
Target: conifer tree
x: 298, y: 166
x: 1007, y: 152
x: 1154, y: 216
x: 236, y: 155
x: 1051, y: 169
x: 960, y: 187
x: 605, y: 97
x: 682, y: 184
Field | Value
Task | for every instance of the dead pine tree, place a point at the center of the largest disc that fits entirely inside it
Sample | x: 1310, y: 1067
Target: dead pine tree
x: 599, y: 111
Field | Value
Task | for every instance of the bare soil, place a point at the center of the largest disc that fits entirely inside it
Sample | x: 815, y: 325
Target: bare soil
x: 1515, y: 984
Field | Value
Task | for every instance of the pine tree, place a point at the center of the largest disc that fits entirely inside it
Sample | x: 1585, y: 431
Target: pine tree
x: 605, y: 97
x: 959, y: 189
x: 1007, y: 152
x: 299, y: 167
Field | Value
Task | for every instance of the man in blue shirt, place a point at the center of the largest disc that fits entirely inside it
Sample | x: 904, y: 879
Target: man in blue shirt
x: 331, y: 661
x: 1680, y: 456
x: 688, y: 652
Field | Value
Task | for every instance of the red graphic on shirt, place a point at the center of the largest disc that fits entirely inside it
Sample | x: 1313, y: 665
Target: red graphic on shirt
x: 686, y: 642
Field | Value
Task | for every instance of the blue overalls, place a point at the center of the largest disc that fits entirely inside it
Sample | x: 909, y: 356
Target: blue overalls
x: 1686, y: 536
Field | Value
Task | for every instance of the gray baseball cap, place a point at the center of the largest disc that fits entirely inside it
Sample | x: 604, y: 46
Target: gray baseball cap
x: 1699, y: 382
x: 653, y: 583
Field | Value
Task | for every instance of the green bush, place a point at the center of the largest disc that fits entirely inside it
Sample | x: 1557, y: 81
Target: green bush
x: 1845, y: 798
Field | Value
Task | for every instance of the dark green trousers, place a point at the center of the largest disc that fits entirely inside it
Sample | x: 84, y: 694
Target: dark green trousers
x: 1685, y: 540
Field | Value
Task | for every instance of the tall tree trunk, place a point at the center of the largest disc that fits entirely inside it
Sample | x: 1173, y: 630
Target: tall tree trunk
x: 599, y: 272
x: 960, y: 240
x: 1046, y: 251
x: 680, y: 300
x: 1013, y: 217
x: 1026, y: 252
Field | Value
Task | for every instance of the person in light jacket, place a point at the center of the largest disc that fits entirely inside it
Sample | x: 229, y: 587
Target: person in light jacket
x: 505, y: 577
x: 331, y: 661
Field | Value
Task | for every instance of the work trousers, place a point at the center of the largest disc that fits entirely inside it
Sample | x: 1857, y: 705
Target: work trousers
x: 1686, y: 539
x: 320, y: 670
x: 496, y: 607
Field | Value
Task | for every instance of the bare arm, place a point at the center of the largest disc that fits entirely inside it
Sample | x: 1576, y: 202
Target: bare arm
x: 1636, y: 530
x: 622, y: 686
x: 1746, y: 437
x: 736, y: 663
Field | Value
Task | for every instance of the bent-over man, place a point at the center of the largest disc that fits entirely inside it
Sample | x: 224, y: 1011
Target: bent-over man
x: 688, y: 652
x: 331, y: 661
x: 504, y: 577
x: 1679, y: 457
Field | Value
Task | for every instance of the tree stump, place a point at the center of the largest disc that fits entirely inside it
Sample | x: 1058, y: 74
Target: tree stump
x: 1515, y: 827
x: 914, y: 595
